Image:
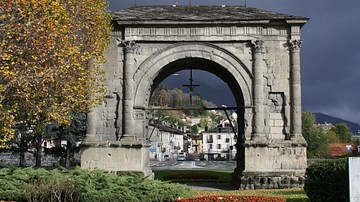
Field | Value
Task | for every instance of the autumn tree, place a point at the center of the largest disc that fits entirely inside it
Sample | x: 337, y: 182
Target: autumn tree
x: 50, y: 56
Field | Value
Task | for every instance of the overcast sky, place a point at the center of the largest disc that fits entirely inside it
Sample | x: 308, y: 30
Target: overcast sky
x: 330, y: 51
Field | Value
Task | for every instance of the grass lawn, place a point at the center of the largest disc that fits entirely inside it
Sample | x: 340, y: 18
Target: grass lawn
x: 224, y: 176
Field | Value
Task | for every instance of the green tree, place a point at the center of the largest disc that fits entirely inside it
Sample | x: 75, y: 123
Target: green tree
x: 194, y: 130
x: 50, y: 56
x: 343, y: 132
x: 315, y: 137
x: 173, y: 118
x: 333, y: 138
x: 204, y: 121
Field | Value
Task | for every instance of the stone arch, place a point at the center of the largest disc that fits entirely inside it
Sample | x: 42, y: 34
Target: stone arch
x: 268, y: 75
x: 232, y: 65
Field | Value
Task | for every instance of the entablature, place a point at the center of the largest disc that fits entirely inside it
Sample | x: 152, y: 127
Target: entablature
x: 207, y: 33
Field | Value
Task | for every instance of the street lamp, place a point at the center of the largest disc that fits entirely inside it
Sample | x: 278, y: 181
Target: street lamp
x: 155, y: 126
x: 227, y: 115
x: 230, y: 147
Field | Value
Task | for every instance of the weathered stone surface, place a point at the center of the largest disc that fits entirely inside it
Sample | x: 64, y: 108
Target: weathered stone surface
x: 256, y: 52
x: 47, y: 160
x: 117, y: 157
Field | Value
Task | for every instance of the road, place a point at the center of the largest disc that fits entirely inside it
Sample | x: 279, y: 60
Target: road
x: 198, y: 165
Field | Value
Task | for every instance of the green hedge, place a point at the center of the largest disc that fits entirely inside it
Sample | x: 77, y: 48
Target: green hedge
x: 83, y: 185
x: 328, y: 181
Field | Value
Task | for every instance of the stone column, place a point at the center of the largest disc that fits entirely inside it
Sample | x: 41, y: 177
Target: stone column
x: 295, y: 90
x: 128, y: 92
x: 91, y: 123
x: 258, y: 90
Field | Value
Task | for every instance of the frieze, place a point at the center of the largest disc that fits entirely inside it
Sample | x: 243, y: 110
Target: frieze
x: 205, y: 31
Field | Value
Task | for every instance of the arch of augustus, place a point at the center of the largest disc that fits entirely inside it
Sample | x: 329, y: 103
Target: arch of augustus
x: 256, y: 52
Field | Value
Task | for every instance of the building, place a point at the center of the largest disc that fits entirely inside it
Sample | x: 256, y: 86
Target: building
x: 219, y: 143
x: 197, y: 143
x: 342, y: 149
x: 166, y: 142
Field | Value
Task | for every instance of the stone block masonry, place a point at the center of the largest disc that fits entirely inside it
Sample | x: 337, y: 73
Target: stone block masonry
x: 256, y: 52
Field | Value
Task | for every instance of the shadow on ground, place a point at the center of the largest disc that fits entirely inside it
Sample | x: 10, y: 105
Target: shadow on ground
x: 211, y: 186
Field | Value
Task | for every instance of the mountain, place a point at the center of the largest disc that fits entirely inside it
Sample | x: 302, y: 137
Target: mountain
x: 322, y: 118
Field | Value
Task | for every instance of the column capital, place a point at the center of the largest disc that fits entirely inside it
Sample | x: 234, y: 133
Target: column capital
x: 129, y: 46
x: 257, y: 46
x: 295, y: 45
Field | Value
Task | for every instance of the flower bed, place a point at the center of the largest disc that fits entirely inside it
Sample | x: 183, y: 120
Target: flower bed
x: 191, y: 176
x: 229, y: 198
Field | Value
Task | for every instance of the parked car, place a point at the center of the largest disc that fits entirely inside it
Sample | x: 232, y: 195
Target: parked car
x: 181, y: 157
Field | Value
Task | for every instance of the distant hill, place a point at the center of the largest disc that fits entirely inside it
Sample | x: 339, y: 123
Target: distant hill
x: 322, y: 118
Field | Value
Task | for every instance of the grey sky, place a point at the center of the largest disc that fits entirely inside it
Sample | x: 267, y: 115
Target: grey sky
x: 330, y: 52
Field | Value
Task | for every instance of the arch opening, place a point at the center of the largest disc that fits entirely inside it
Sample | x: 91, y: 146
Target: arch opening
x: 223, y: 74
x: 203, y: 65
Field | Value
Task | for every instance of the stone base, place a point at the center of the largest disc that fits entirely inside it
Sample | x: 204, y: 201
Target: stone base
x: 116, y: 157
x: 271, y: 181
x: 273, y: 165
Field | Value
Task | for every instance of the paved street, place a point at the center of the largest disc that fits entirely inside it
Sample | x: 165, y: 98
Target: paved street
x: 199, y: 165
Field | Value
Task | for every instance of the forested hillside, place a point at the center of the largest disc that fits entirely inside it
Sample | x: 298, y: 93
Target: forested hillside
x: 176, y: 98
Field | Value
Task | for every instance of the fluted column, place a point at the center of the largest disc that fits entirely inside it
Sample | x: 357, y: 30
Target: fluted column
x: 258, y: 90
x: 295, y: 90
x: 128, y: 92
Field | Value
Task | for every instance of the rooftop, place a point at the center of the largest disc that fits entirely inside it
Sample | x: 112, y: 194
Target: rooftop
x: 199, y: 13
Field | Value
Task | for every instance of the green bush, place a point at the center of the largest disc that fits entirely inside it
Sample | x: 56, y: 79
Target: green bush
x: 328, y: 181
x: 83, y: 185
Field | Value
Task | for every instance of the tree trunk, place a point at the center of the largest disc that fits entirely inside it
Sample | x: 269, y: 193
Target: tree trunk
x: 67, y: 156
x: 38, y: 147
x: 23, y: 145
x: 22, y: 162
x: 69, y: 151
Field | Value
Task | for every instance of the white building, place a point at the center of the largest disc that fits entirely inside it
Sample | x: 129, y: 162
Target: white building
x: 166, y: 142
x: 219, y: 143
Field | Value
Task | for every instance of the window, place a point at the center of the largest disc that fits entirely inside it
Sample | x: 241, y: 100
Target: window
x: 219, y: 137
x: 210, y: 146
x: 227, y: 140
x: 219, y: 146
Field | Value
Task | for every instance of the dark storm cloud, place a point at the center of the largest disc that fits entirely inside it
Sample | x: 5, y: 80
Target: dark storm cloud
x: 330, y: 54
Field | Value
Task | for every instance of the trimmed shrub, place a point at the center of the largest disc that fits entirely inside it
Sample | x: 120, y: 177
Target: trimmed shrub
x: 328, y: 181
x: 83, y: 185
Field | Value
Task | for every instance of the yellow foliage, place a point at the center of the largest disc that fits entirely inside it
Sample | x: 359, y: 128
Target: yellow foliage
x: 50, y: 51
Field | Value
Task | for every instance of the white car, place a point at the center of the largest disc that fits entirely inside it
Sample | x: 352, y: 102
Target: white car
x: 181, y: 157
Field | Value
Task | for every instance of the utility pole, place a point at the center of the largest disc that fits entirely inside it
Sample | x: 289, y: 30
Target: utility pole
x: 189, y: 2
